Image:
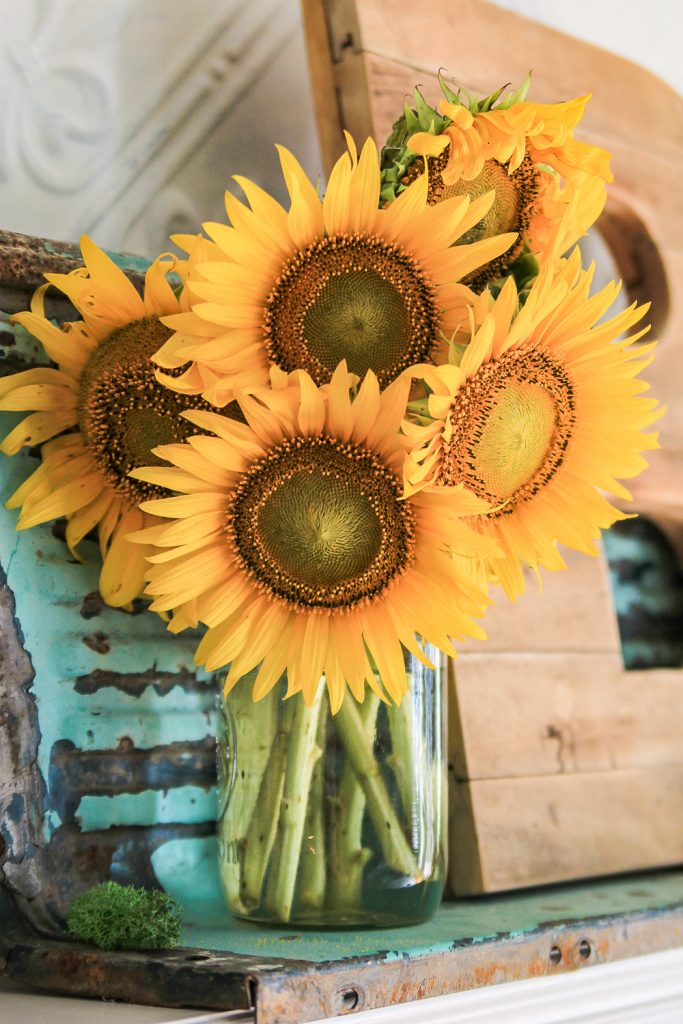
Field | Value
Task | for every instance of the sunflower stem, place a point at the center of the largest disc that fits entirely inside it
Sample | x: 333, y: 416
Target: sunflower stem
x: 420, y: 407
x: 262, y: 832
x: 401, y: 726
x: 346, y: 879
x: 313, y: 861
x: 302, y: 755
x: 395, y: 847
x: 249, y: 733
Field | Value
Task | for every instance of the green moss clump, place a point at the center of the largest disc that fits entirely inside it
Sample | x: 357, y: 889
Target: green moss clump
x: 114, y: 916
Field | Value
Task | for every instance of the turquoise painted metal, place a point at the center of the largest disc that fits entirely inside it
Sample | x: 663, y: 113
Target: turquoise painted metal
x: 65, y: 647
x: 476, y: 921
x: 647, y: 588
x: 124, y: 726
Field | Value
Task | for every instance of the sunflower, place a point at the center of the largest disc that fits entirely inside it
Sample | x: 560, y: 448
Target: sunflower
x: 543, y: 414
x: 98, y: 413
x: 331, y: 279
x: 549, y: 187
x: 290, y: 540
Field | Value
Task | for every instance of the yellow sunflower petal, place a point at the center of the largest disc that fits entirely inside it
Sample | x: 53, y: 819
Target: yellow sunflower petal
x: 308, y: 555
x: 118, y: 286
x: 37, y: 428
x: 334, y: 279
x: 546, y: 415
x: 124, y: 566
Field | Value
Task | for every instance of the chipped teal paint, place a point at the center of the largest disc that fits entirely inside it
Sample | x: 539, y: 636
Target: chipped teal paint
x: 207, y: 925
x: 197, y: 859
x: 647, y: 589
x: 620, y: 547
x: 48, y: 592
x: 148, y: 808
x: 25, y: 345
x: 51, y: 822
x: 123, y: 260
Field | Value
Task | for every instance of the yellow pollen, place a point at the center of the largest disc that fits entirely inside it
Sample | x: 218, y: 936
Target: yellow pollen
x: 352, y: 297
x: 123, y: 410
x: 514, y: 205
x: 320, y: 523
x: 515, y: 437
x: 511, y: 424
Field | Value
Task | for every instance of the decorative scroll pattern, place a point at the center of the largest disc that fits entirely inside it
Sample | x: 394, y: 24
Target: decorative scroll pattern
x: 126, y: 120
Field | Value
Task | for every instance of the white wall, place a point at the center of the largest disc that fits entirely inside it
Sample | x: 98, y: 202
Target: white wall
x: 649, y: 32
x: 125, y: 118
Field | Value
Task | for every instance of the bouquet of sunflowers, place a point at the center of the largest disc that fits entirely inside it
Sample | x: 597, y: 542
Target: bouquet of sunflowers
x: 322, y: 437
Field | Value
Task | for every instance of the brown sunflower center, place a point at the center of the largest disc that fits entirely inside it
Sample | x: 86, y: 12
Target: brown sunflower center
x: 320, y: 524
x: 514, y: 205
x: 123, y: 410
x: 352, y: 297
x: 511, y: 425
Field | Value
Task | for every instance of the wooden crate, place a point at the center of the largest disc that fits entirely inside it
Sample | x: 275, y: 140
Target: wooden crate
x: 563, y: 764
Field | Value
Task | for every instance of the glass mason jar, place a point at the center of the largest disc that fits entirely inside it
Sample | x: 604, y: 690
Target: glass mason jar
x: 334, y: 821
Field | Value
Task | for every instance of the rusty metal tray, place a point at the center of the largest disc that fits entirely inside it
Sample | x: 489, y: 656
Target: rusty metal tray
x: 286, y: 978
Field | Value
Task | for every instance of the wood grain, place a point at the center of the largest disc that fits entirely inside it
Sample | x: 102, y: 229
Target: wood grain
x: 517, y: 715
x: 544, y: 829
x: 567, y: 611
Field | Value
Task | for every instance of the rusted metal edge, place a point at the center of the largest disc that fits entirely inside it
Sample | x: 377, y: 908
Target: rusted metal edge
x: 25, y: 259
x: 325, y: 990
x: 175, y: 979
x: 191, y: 978
x: 182, y: 977
x: 283, y: 991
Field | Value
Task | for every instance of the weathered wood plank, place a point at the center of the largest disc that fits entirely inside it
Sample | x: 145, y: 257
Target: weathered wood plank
x: 322, y: 73
x: 569, y: 611
x: 523, y: 714
x: 544, y: 829
x: 483, y: 45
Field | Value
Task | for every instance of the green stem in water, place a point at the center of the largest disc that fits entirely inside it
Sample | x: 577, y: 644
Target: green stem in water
x: 260, y: 838
x: 401, y: 725
x: 248, y: 737
x: 414, y: 771
x: 351, y: 856
x: 395, y: 847
x: 313, y: 861
x: 302, y: 755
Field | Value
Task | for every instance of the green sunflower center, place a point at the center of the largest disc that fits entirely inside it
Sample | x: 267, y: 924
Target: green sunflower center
x: 123, y: 410
x: 320, y: 523
x: 511, y: 423
x: 352, y: 297
x: 514, y: 205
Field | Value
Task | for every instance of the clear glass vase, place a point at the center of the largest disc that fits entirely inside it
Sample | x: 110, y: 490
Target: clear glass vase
x: 334, y: 821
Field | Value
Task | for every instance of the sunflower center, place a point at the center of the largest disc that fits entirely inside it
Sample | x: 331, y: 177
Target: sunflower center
x: 123, y: 410
x: 320, y: 524
x: 511, y: 426
x: 514, y: 205
x: 352, y: 297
